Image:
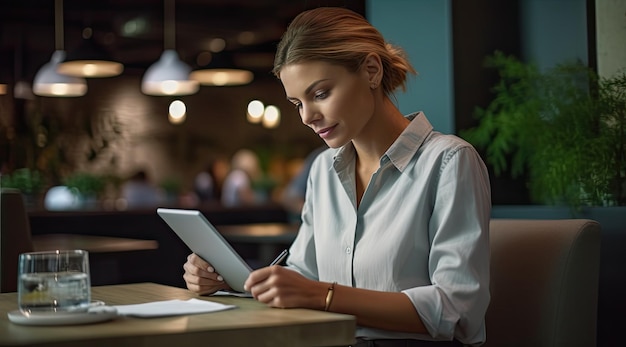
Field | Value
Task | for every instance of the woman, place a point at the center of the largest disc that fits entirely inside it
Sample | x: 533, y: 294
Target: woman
x: 395, y: 224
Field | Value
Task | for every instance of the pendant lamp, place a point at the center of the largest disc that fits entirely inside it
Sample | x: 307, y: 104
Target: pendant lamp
x: 221, y: 71
x: 169, y: 75
x: 48, y: 82
x: 89, y: 60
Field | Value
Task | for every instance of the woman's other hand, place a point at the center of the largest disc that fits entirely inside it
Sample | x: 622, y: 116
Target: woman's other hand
x: 201, y: 277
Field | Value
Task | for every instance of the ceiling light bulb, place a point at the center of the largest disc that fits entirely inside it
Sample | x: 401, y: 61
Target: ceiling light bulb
x: 255, y: 111
x: 271, y: 117
x: 178, y: 112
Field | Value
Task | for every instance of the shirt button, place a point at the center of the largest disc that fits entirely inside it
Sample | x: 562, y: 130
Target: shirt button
x: 348, y: 250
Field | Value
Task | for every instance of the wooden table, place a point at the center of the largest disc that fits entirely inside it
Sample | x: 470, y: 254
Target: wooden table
x: 269, y: 237
x: 250, y: 324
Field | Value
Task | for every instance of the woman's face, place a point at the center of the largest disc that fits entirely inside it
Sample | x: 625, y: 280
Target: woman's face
x: 335, y: 103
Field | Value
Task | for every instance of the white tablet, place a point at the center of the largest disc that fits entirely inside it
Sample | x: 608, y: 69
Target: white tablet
x: 204, y: 240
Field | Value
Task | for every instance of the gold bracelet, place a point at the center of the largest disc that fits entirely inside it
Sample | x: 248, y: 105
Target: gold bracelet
x: 329, y: 296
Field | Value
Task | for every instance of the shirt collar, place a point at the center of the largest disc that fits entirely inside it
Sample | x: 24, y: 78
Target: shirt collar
x: 409, y: 141
x: 402, y: 149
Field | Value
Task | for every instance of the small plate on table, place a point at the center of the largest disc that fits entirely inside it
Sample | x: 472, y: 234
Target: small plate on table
x: 94, y: 314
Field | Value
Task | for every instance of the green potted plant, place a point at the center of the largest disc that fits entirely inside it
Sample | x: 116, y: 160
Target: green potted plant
x: 28, y: 181
x: 87, y: 186
x: 564, y: 129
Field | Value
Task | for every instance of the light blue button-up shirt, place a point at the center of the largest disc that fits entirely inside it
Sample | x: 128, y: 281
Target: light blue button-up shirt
x: 422, y: 228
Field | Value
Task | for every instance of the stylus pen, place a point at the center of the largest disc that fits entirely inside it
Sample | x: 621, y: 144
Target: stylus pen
x: 280, y: 257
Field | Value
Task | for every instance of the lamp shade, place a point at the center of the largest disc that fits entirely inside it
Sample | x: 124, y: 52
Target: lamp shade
x: 222, y: 77
x: 168, y: 76
x: 89, y: 60
x: 221, y: 71
x: 3, y: 88
x: 48, y: 82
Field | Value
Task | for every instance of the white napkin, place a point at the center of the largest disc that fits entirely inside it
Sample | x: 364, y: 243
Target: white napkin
x: 171, y: 308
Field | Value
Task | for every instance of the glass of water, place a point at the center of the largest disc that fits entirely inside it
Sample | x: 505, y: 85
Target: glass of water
x: 54, y: 281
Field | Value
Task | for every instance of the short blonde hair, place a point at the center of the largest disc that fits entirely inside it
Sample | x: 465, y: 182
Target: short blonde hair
x: 340, y: 36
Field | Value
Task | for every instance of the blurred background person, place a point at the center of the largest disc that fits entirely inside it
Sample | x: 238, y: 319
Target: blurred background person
x: 208, y: 183
x: 140, y: 192
x: 204, y: 185
x: 238, y: 187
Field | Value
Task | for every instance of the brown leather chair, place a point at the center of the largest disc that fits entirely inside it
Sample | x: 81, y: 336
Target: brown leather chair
x: 544, y: 283
x: 14, y: 236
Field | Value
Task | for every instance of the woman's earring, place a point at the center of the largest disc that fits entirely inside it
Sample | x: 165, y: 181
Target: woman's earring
x: 373, y: 86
